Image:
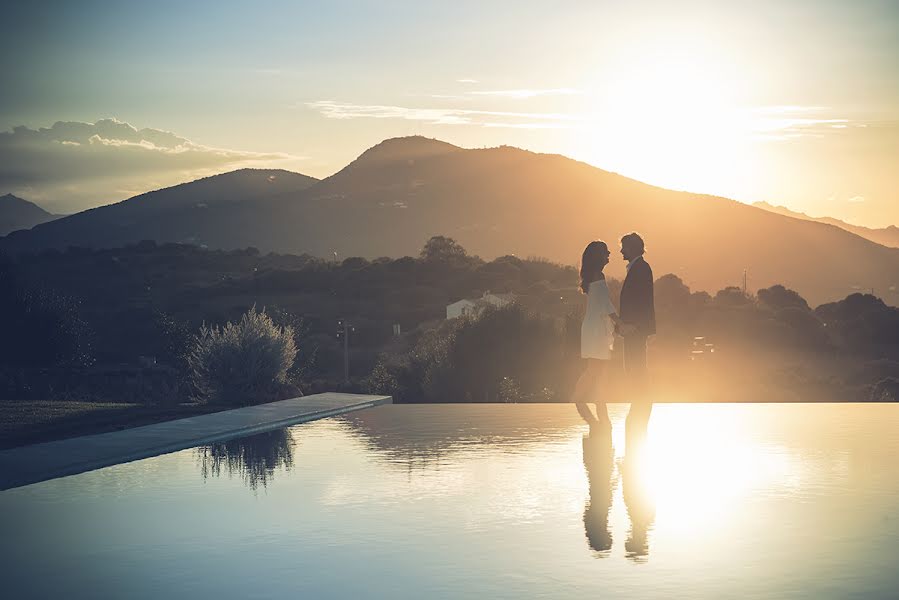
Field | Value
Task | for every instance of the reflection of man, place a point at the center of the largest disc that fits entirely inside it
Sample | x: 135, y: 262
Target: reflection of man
x: 637, y: 313
x: 638, y: 499
x: 598, y: 462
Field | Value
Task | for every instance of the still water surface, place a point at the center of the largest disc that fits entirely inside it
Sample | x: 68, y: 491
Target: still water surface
x: 450, y: 501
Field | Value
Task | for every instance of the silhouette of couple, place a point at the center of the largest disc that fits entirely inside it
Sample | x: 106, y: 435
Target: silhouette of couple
x: 603, y: 328
x: 602, y: 324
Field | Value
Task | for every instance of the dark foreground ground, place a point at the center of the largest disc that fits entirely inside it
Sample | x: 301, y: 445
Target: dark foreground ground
x: 25, y: 422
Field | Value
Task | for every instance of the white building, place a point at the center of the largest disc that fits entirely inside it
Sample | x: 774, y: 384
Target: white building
x: 473, y: 307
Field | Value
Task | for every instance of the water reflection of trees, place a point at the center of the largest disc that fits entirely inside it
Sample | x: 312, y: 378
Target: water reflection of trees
x: 253, y: 458
x: 420, y: 436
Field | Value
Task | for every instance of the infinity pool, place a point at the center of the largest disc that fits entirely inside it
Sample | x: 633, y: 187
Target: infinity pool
x: 483, y: 501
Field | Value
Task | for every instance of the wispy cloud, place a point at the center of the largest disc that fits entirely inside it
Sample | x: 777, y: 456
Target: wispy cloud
x: 788, y: 122
x: 443, y: 116
x: 788, y: 109
x: 527, y: 93
x: 528, y: 125
x: 856, y: 199
x: 72, y: 164
x: 771, y: 123
x: 466, y: 81
x: 450, y: 97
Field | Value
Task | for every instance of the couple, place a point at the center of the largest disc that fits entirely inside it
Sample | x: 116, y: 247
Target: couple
x: 634, y: 324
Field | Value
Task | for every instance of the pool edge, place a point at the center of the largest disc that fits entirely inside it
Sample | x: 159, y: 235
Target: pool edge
x: 27, y: 465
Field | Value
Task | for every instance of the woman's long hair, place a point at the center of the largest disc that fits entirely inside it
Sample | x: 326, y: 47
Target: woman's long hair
x: 592, y: 263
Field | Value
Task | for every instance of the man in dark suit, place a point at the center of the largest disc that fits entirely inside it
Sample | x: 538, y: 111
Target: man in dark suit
x: 638, y: 317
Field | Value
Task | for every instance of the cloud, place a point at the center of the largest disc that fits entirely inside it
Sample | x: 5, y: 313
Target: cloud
x: 856, y: 199
x: 67, y: 162
x: 788, y: 122
x: 528, y: 125
x: 441, y: 116
x: 466, y: 81
x: 527, y: 93
x: 770, y: 123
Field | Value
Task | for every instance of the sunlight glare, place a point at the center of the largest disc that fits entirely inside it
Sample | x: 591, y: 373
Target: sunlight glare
x: 700, y: 460
x: 669, y: 114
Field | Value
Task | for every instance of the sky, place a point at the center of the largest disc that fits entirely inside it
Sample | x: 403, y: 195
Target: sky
x: 793, y: 102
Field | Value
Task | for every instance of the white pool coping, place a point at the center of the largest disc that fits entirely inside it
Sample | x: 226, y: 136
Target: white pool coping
x: 39, y: 462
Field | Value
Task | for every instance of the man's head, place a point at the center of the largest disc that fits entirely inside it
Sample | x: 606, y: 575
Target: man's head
x: 632, y: 246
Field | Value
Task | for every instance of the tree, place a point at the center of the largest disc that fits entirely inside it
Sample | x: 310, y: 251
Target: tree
x: 778, y: 297
x: 862, y: 320
x: 671, y: 293
x: 731, y: 296
x: 805, y: 329
x: 354, y: 263
x: 504, y: 354
x: 442, y: 248
x: 41, y: 328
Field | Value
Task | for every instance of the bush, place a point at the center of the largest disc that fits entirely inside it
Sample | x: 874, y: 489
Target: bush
x: 242, y: 363
x: 381, y: 380
x: 40, y: 327
x: 504, y: 355
x: 886, y: 390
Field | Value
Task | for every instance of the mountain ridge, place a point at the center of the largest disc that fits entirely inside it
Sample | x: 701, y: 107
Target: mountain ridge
x: 172, y: 214
x: 499, y: 201
x: 17, y: 213
x: 885, y: 236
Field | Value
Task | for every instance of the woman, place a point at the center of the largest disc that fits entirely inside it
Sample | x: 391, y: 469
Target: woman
x: 597, y: 332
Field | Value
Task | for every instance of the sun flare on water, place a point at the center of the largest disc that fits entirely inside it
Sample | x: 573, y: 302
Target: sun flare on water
x: 699, y: 465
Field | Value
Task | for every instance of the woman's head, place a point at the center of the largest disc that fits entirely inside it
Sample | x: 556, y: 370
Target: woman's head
x: 595, y: 257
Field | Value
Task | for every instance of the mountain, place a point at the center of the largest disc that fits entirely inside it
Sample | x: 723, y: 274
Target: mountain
x: 495, y: 202
x: 217, y: 211
x: 16, y: 213
x: 886, y: 236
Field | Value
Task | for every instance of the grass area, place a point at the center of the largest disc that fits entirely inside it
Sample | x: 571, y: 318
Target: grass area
x: 25, y: 422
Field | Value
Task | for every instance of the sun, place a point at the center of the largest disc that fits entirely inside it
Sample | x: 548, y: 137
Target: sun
x: 669, y: 113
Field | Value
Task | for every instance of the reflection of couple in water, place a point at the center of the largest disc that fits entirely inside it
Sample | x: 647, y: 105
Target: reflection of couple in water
x: 600, y: 463
x: 633, y: 325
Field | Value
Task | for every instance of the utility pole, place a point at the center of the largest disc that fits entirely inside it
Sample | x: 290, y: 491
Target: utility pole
x: 343, y: 331
x: 745, y: 283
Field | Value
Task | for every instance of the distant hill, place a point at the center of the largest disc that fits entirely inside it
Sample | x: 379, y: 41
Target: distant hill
x: 495, y: 202
x: 217, y: 211
x: 16, y: 213
x: 886, y: 236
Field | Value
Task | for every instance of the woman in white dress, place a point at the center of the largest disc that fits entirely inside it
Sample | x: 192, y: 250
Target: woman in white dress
x: 597, y: 332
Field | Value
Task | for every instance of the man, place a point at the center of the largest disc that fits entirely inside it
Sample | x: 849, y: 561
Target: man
x: 638, y: 317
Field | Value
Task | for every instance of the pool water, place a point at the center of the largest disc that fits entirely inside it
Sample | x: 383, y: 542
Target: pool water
x: 501, y: 500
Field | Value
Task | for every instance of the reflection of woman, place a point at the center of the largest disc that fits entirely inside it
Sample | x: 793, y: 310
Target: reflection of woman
x: 597, y: 331
x: 598, y: 463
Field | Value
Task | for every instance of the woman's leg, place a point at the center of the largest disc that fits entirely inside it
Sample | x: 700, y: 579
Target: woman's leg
x: 582, y: 390
x: 586, y: 389
x: 602, y: 412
